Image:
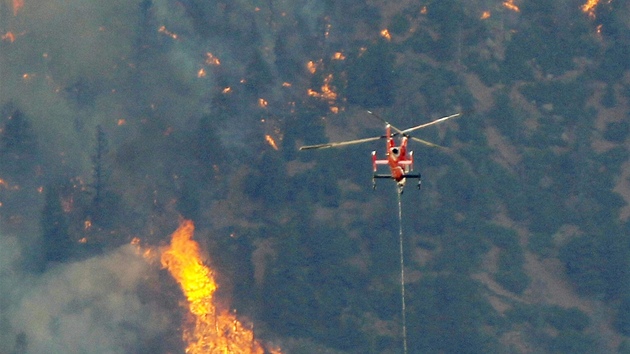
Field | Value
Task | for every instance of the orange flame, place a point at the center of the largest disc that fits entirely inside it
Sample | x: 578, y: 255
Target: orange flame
x: 311, y: 66
x: 589, y: 7
x: 163, y: 29
x: 214, y: 331
x: 212, y: 60
x: 339, y: 56
x: 271, y: 142
x: 327, y: 92
x: 510, y: 6
x: 385, y: 34
x: 262, y: 103
x: 9, y: 36
x: 485, y: 15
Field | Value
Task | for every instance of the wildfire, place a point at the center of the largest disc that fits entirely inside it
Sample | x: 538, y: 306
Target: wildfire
x: 311, y: 66
x: 212, y: 60
x: 5, y: 185
x: 9, y: 37
x: 271, y: 142
x: 339, y: 56
x: 327, y: 92
x: 214, y: 331
x: 509, y: 4
x: 163, y: 30
x: 385, y: 34
x: 589, y: 7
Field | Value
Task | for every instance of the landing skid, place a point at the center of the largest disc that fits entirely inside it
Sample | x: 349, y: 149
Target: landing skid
x: 400, y: 185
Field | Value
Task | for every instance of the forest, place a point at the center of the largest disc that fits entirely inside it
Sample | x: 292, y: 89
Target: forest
x: 518, y: 241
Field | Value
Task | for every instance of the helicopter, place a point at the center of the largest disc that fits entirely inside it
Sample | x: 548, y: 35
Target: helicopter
x: 398, y: 158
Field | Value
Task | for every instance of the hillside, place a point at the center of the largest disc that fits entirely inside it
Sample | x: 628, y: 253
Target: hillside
x: 119, y: 120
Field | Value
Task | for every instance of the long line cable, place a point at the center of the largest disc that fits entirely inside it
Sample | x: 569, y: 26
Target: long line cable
x: 402, y: 275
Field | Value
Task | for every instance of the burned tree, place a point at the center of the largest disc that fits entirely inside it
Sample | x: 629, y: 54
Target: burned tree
x: 98, y: 164
x: 105, y: 202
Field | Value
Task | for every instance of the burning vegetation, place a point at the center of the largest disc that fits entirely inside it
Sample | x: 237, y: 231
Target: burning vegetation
x: 211, y: 330
x: 511, y: 6
x: 590, y: 6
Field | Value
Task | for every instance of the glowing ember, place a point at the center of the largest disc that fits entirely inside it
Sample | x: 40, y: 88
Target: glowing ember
x: 286, y: 84
x: 227, y: 90
x: 163, y: 30
x: 201, y: 73
x: 339, y: 56
x: 510, y: 6
x: 485, y: 15
x: 271, y: 142
x: 212, y: 60
x: 311, y: 66
x: 17, y: 6
x: 5, y: 185
x: 262, y: 103
x: 9, y: 36
x: 121, y: 121
x: 385, y: 34
x: 214, y: 331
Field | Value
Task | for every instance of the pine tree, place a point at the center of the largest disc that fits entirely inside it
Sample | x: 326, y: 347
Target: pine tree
x: 56, y: 238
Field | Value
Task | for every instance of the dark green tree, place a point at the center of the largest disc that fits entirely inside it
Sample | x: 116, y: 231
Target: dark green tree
x: 57, y: 246
x: 106, y: 202
x: 258, y: 75
x: 371, y: 77
x: 18, y: 144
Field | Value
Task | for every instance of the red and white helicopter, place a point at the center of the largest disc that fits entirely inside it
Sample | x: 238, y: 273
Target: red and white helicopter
x: 399, y: 160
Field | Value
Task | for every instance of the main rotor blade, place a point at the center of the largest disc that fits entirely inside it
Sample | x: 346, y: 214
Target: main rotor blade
x: 386, y: 122
x: 430, y: 144
x: 342, y: 143
x: 407, y: 131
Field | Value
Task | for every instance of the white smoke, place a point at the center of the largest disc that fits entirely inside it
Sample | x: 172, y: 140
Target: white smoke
x: 91, y: 306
